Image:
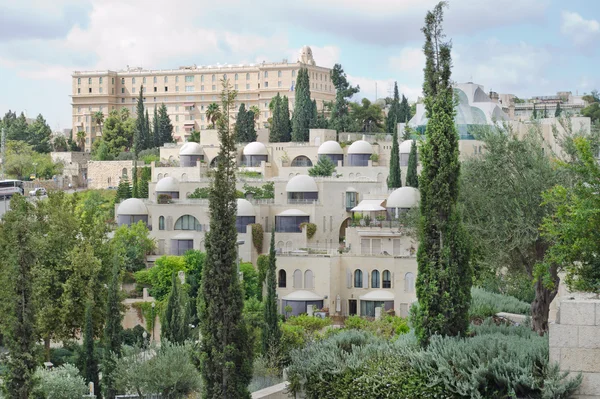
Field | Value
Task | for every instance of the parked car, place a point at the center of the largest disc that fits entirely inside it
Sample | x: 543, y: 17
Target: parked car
x: 38, y: 191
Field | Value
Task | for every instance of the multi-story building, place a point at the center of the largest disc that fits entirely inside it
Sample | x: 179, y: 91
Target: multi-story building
x: 189, y: 90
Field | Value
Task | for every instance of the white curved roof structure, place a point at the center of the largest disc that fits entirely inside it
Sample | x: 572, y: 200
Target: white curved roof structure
x: 132, y: 206
x: 360, y: 147
x: 405, y: 146
x: 302, y: 295
x: 245, y: 208
x: 351, y: 190
x: 167, y: 185
x: 191, y: 148
x: 292, y: 212
x: 255, y: 148
x: 301, y: 184
x: 378, y: 295
x: 330, y: 147
x: 404, y: 197
x: 368, y: 206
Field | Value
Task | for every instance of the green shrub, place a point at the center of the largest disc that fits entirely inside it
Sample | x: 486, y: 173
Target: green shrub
x: 386, y: 326
x: 63, y: 382
x: 158, y: 278
x: 309, y: 323
x: 485, y: 304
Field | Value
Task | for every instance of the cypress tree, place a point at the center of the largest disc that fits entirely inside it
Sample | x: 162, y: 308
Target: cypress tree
x: 404, y: 113
x: 123, y: 191
x: 250, y: 127
x: 391, y: 121
x: 545, y: 111
x: 112, y: 331
x: 286, y: 123
x: 134, y: 181
x: 241, y: 125
x: 394, y: 179
x: 303, y: 108
x: 226, y: 340
x: 412, y: 178
x: 407, y: 131
x: 444, y: 277
x: 314, y: 115
x: 145, y: 175
x: 558, y: 110
x: 534, y: 111
x: 165, y: 127
x: 275, y: 132
x: 147, y: 134
x: 271, y: 336
x: 176, y: 322
x: 140, y: 124
x: 90, y: 362
x: 155, y: 130
x: 19, y: 255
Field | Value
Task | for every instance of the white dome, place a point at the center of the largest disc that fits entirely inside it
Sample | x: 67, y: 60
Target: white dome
x: 132, y: 206
x: 404, y: 197
x: 360, y: 147
x: 330, y: 147
x: 301, y: 184
x: 167, y: 185
x: 255, y: 148
x: 191, y: 148
x: 292, y: 212
x: 245, y: 208
x: 405, y: 147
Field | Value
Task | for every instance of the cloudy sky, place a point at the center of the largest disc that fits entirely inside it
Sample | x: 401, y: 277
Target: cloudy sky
x: 524, y: 47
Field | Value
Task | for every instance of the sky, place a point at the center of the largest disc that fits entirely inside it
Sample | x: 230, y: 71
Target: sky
x: 523, y: 47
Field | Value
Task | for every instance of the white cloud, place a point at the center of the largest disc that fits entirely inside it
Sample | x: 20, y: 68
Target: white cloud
x: 380, y: 88
x: 578, y: 29
x: 411, y: 59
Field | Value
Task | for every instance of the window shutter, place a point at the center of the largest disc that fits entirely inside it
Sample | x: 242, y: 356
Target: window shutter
x: 348, y: 278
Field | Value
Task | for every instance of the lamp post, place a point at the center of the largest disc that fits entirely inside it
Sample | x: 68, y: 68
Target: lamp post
x: 237, y: 247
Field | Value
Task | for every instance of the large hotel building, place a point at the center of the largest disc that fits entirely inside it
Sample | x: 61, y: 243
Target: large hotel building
x: 188, y: 91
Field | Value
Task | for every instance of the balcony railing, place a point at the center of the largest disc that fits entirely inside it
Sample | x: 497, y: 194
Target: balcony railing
x: 302, y: 201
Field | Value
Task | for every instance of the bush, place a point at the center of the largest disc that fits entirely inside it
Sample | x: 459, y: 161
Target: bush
x: 63, y: 382
x: 485, y: 304
x: 133, y: 336
x: 309, y: 323
x: 386, y: 326
x: 158, y: 278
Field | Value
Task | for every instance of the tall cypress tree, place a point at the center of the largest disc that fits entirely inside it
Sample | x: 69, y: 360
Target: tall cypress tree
x: 286, y: 123
x: 275, y: 129
x: 314, y: 115
x: 271, y: 336
x: 303, y: 108
x: 545, y: 110
x: 558, y: 110
x: 90, y: 362
x: 250, y: 127
x: 444, y: 277
x: 241, y: 125
x: 404, y: 113
x: 176, y: 325
x: 147, y: 132
x: 535, y: 115
x: 155, y: 130
x: 394, y: 179
x: 145, y: 175
x: 226, y: 341
x: 134, y: 181
x: 165, y: 127
x: 412, y: 177
x: 19, y: 255
x: 140, y: 124
x: 391, y: 122
x: 112, y: 331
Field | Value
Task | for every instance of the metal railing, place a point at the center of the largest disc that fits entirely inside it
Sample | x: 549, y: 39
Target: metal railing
x: 292, y: 201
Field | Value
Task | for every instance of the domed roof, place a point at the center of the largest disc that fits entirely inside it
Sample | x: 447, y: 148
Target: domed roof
x: 404, y: 197
x: 255, y: 148
x: 292, y: 212
x: 191, y: 148
x: 167, y: 185
x: 245, y: 208
x: 301, y: 184
x: 360, y: 147
x: 132, y: 206
x: 330, y: 147
x: 405, y: 147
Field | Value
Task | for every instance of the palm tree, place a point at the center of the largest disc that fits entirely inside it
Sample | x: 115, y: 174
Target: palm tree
x: 81, y: 140
x: 98, y: 118
x: 256, y: 112
x: 194, y: 136
x: 213, y: 112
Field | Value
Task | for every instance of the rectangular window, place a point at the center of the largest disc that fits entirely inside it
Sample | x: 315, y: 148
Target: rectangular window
x: 202, y: 78
x: 189, y: 88
x: 78, y: 90
x: 113, y: 80
x: 293, y: 73
x: 177, y: 108
x: 144, y: 89
x: 155, y: 89
x: 154, y: 99
x: 122, y: 100
x: 214, y: 87
x: 99, y: 89
x: 166, y: 88
x: 89, y: 81
x: 189, y: 79
x: 177, y: 129
x: 266, y: 114
x: 236, y: 86
x: 266, y: 74
x: 100, y: 80
x: 176, y: 118
x: 132, y: 80
x: 112, y: 90
x: 78, y: 81
x: 201, y: 87
x: 90, y: 90
x: 133, y: 90
x: 176, y: 88
x: 278, y: 74
x: 122, y: 81
x: 266, y: 84
x: 247, y: 86
x: 155, y: 79
x: 176, y: 79
x: 279, y: 84
x: 144, y: 80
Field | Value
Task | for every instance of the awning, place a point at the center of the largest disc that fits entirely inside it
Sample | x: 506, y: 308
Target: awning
x: 378, y: 295
x: 184, y: 236
x: 188, y: 104
x: 292, y: 212
x: 189, y: 123
x: 302, y: 295
x: 369, y: 206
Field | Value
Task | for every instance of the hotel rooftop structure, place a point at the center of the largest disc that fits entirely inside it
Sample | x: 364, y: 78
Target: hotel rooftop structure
x: 188, y: 90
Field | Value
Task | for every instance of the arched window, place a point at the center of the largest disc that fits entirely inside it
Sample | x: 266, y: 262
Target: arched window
x: 375, y: 279
x: 308, y: 280
x: 187, y: 222
x: 387, y: 279
x: 161, y: 223
x: 409, y: 282
x: 297, y: 279
x: 358, y: 279
x: 302, y: 160
x: 236, y: 76
x: 282, y: 278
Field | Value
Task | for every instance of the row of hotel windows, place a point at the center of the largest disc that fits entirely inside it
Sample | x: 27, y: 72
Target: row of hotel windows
x: 191, y: 88
x: 190, y: 78
x: 385, y: 282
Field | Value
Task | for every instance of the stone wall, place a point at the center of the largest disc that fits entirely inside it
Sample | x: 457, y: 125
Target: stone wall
x: 575, y: 343
x: 278, y: 391
x: 104, y: 174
